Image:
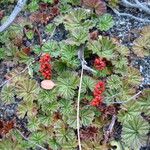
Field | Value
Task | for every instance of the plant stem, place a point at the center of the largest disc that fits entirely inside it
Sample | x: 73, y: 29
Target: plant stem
x: 15, y: 12
x: 78, y: 108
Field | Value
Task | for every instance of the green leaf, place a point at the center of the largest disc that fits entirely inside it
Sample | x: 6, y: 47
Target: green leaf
x: 33, y: 124
x: 66, y: 107
x: 48, y: 1
x: 134, y: 76
x: 26, y: 108
x: 60, y: 66
x: 50, y: 107
x: 114, y: 82
x: 75, y: 18
x: 9, y: 144
x: 134, y: 132
x: 30, y: 34
x: 27, y: 89
x: 46, y: 120
x: 103, y: 47
x: 72, y: 120
x: 105, y: 22
x: 144, y: 102
x: 47, y: 96
x: 88, y: 83
x: 67, y: 85
x: 78, y: 36
x: 52, y: 48
x: 33, y: 6
x: 53, y: 144
x: 69, y: 55
x: 7, y: 94
x: 64, y: 135
x: 87, y: 116
x: 128, y: 111
x: 38, y: 138
x: 50, y: 28
x: 2, y: 53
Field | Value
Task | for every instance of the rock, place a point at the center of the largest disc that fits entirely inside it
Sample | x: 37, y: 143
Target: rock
x: 47, y: 84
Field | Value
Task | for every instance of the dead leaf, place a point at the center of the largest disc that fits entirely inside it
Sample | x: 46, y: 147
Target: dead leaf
x: 47, y: 84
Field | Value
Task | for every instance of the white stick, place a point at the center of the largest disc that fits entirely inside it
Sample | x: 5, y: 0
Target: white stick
x: 131, y: 16
x: 78, y: 109
x: 15, y: 12
x: 137, y: 4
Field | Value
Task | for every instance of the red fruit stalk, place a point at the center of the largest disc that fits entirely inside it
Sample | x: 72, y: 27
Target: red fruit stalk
x: 99, y: 64
x: 98, y: 91
x: 45, y: 66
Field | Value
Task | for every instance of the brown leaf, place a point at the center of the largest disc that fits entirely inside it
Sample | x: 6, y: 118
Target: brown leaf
x: 47, y: 84
x: 6, y: 126
x: 1, y: 14
x: 26, y: 50
x: 98, y: 5
x: 94, y: 35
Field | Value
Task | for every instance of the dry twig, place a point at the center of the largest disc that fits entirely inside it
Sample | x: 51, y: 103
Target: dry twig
x: 78, y: 109
x: 110, y: 128
x: 15, y: 12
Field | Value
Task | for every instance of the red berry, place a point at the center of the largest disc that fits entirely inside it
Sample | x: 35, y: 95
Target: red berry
x: 99, y: 64
x: 45, y: 66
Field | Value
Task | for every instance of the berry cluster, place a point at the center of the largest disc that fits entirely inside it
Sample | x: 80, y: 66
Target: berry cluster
x: 98, y: 91
x: 99, y: 64
x: 45, y: 66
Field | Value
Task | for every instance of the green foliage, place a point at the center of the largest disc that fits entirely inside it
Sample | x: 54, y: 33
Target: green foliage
x: 144, y: 102
x: 38, y: 138
x: 9, y: 144
x: 64, y: 135
x: 78, y: 36
x: 45, y: 96
x: 2, y: 53
x: 33, y: 6
x: 69, y: 55
x: 7, y: 94
x: 75, y: 18
x: 128, y: 112
x: 26, y: 108
x: 135, y: 132
x: 67, y: 85
x: 33, y: 124
x: 86, y: 116
x: 52, y: 48
x: 114, y: 82
x: 105, y: 22
x: 88, y: 83
x: 66, y: 107
x: 141, y: 45
x: 53, y: 144
x: 103, y: 47
x: 27, y: 89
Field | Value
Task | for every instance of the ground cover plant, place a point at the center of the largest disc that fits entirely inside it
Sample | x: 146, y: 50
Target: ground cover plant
x: 66, y: 82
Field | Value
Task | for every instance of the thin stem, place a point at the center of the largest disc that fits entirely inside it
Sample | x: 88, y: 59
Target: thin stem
x: 131, y: 98
x: 110, y: 128
x: 13, y: 15
x: 78, y: 108
x: 131, y: 16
